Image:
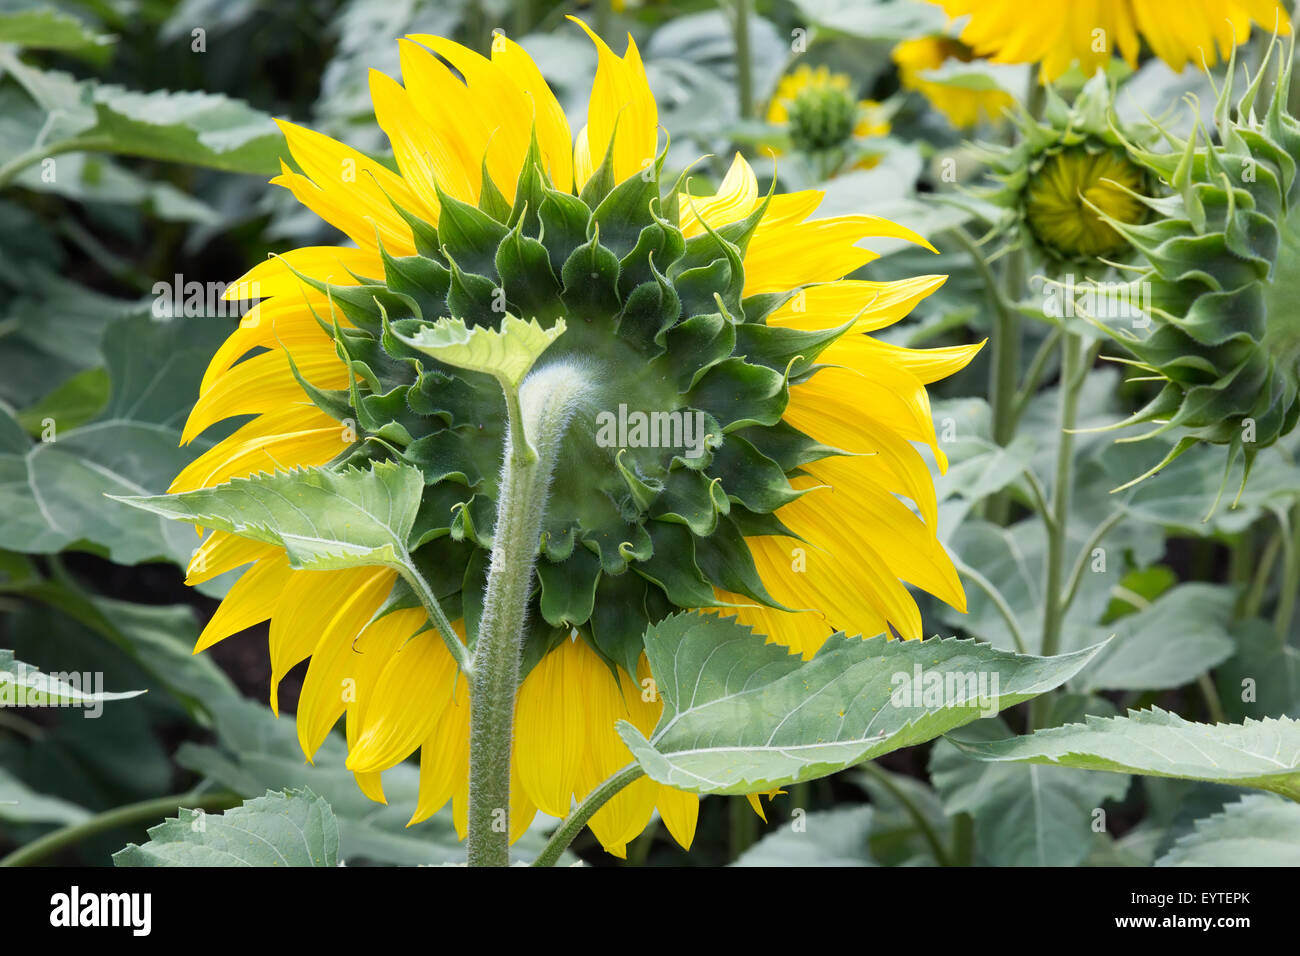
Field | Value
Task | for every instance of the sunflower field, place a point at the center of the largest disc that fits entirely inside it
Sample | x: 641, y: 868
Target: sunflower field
x: 606, y: 433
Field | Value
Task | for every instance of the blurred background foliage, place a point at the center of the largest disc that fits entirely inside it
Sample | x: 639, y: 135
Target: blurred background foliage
x: 135, y: 144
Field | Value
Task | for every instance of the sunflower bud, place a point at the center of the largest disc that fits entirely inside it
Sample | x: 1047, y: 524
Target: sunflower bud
x: 1223, y: 262
x: 822, y: 118
x: 1069, y: 180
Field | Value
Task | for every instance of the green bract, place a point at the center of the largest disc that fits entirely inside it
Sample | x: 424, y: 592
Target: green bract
x: 677, y: 453
x: 1224, y: 277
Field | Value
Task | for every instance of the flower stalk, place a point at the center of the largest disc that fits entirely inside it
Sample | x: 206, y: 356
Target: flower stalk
x: 538, y: 417
x: 1073, y: 370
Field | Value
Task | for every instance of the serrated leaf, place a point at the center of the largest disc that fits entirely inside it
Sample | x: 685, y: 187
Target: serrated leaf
x: 323, y: 519
x: 1264, y: 754
x: 291, y: 828
x: 1258, y: 830
x: 742, y: 716
x: 22, y: 685
x: 507, y: 353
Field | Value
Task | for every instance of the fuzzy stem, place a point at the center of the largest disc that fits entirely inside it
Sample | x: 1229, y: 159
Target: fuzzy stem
x: 546, y: 403
x: 1072, y: 375
x: 584, y: 811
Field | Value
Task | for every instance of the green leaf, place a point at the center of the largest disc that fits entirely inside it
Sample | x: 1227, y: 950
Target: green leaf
x: 1258, y: 830
x: 24, y: 686
x: 190, y: 127
x: 291, y: 828
x: 1264, y: 754
x: 323, y: 519
x: 1024, y: 815
x: 74, y: 403
x: 837, y: 837
x: 1167, y: 644
x: 48, y: 28
x: 507, y: 353
x: 20, y: 804
x: 52, y: 491
x: 743, y: 716
x: 1263, y: 677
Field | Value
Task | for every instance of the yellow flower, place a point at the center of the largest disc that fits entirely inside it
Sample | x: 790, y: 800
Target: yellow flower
x: 1089, y: 32
x: 964, y: 107
x: 461, y: 128
x: 819, y: 109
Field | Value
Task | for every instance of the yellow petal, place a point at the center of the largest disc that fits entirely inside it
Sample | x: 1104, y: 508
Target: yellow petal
x: 298, y: 435
x: 223, y: 552
x: 330, y: 684
x: 627, y: 813
x: 338, y: 265
x: 552, y: 127
x: 620, y: 100
x: 734, y: 200
x: 505, y: 110
x: 265, y: 383
x: 357, y: 179
x: 444, y: 757
x: 411, y: 694
x: 875, y: 305
x: 251, y: 600
x: 550, y: 724
x: 307, y: 605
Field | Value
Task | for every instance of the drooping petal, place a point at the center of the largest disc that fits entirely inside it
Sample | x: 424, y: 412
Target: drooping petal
x: 251, y: 600
x: 413, y: 691
x: 330, y: 684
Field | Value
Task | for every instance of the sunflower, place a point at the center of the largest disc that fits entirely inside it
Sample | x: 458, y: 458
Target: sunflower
x: 1089, y: 32
x: 1225, y: 343
x: 963, y: 106
x: 820, y: 112
x: 731, y: 307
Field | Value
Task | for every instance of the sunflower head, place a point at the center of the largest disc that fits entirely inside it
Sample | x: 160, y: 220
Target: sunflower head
x: 744, y: 446
x: 1069, y: 177
x: 1223, y: 273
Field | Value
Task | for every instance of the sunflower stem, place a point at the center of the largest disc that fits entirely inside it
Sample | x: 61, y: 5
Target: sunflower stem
x: 575, y: 821
x: 546, y: 403
x: 744, y: 68
x: 1073, y: 368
